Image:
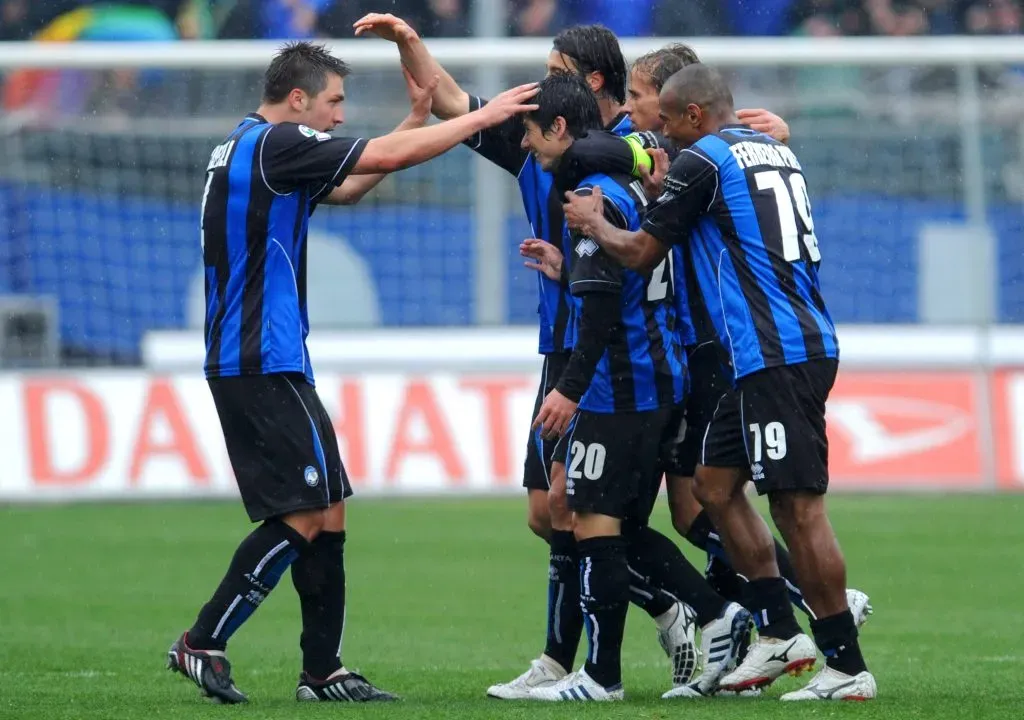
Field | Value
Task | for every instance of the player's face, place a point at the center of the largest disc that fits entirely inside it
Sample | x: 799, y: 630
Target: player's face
x: 548, y: 147
x: 680, y: 125
x: 643, y: 105
x: 326, y: 111
x: 559, y: 63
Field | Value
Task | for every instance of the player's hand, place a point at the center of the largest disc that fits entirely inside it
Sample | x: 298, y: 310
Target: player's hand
x: 582, y: 212
x: 654, y: 179
x: 547, y: 258
x: 387, y: 27
x: 765, y: 122
x: 509, y: 103
x: 420, y: 99
x: 555, y: 415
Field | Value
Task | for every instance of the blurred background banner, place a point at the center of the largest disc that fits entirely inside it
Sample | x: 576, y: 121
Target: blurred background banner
x: 906, y: 117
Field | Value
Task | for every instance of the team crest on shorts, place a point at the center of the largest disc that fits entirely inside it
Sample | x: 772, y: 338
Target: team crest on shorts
x: 311, y: 475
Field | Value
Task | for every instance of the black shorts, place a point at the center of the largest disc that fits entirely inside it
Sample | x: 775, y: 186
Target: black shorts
x: 709, y: 378
x: 539, y: 452
x: 612, y: 462
x: 281, y: 443
x: 773, y: 422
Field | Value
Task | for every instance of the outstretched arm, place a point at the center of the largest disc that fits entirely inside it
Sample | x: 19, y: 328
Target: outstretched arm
x: 450, y: 100
x: 355, y: 187
x: 404, y: 149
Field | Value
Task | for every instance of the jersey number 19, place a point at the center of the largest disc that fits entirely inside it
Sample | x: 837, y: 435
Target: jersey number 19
x: 793, y: 202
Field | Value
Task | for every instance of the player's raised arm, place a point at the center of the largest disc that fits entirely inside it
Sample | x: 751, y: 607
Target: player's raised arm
x: 355, y: 187
x: 404, y: 149
x: 450, y: 100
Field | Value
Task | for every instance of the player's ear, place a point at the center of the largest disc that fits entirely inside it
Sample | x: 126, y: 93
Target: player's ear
x: 694, y: 115
x: 559, y: 127
x: 596, y: 81
x: 298, y: 100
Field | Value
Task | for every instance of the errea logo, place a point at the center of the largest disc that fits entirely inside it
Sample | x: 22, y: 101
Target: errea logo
x: 757, y: 472
x: 586, y: 247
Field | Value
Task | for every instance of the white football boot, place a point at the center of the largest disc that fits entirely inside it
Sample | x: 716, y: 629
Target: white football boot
x: 768, y: 659
x: 679, y: 641
x: 576, y: 687
x: 831, y: 684
x: 720, y: 642
x: 860, y: 605
x: 543, y: 672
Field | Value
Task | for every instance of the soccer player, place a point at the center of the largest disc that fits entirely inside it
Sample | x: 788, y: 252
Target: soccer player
x: 262, y: 183
x: 593, y: 53
x: 738, y: 202
x: 623, y: 378
x: 709, y: 375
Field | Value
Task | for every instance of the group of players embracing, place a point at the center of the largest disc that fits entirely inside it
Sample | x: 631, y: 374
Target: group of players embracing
x: 684, y: 336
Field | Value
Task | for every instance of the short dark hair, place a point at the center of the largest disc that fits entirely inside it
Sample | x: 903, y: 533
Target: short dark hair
x: 301, y: 65
x: 569, y: 97
x: 594, y: 48
x: 661, y: 64
x: 700, y: 85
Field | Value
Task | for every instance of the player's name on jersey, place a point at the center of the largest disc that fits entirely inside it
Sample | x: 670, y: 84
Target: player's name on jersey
x: 753, y: 154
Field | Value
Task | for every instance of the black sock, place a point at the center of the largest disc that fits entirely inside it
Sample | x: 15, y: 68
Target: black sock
x: 768, y: 602
x: 319, y: 579
x: 789, y: 575
x: 565, y: 618
x: 721, y: 574
x: 652, y: 600
x: 255, y: 569
x: 661, y: 560
x: 604, y: 597
x: 836, y: 637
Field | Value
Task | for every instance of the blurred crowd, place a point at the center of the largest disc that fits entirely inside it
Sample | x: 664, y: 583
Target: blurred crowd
x: 279, y: 19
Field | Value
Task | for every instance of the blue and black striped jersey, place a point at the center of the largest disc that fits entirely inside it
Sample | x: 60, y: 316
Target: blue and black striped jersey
x: 502, y: 145
x: 738, y: 201
x: 262, y: 183
x: 643, y: 366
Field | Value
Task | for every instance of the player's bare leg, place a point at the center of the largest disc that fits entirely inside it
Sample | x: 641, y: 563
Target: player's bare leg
x: 604, y: 597
x: 538, y: 516
x: 821, y: 569
x: 781, y: 647
x: 682, y: 503
x: 744, y: 533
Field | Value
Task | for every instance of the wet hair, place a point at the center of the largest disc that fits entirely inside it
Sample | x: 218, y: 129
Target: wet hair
x: 301, y: 65
x: 569, y: 97
x: 661, y: 64
x: 594, y: 48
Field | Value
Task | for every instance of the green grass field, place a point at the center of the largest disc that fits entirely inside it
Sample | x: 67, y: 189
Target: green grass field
x: 446, y: 597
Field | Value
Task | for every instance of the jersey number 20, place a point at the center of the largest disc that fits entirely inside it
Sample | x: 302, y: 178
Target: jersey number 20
x: 790, y: 196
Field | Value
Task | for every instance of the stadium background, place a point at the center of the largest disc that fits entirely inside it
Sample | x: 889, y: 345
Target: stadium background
x: 907, y: 119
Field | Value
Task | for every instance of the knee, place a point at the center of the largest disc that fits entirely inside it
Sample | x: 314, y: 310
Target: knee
x: 308, y: 523
x: 558, y: 500
x: 539, y: 523
x: 794, y: 513
x: 683, y: 506
x: 711, y: 492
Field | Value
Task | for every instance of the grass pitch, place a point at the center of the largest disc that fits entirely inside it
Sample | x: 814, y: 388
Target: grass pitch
x: 447, y: 597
